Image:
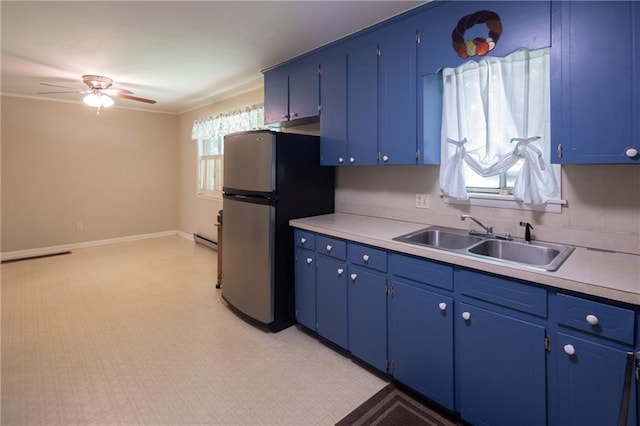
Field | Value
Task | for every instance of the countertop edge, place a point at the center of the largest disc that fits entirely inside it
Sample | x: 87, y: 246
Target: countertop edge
x: 570, y: 276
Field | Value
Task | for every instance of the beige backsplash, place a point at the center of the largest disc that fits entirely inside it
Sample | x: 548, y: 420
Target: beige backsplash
x: 602, y: 211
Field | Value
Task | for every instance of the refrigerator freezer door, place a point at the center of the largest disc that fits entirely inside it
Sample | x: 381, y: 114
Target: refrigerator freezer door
x: 249, y: 162
x: 247, y: 265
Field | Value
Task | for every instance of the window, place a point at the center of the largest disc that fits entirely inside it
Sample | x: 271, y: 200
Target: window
x: 209, y: 132
x: 210, y: 167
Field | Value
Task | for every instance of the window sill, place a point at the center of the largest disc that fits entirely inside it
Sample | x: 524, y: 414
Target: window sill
x: 209, y: 197
x: 506, y: 202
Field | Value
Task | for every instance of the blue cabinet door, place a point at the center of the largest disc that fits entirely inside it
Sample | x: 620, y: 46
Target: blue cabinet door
x: 595, y: 97
x: 276, y: 96
x: 500, y: 366
x: 333, y: 111
x: 397, y: 98
x: 421, y: 341
x: 305, y: 287
x: 331, y: 305
x: 304, y: 91
x: 362, y: 104
x: 590, y: 378
x: 368, y: 316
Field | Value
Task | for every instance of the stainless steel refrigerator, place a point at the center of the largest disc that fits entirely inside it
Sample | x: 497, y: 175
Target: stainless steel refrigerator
x: 269, y: 178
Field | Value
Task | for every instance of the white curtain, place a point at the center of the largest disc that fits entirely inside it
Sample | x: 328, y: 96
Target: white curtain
x: 250, y: 118
x: 495, y: 112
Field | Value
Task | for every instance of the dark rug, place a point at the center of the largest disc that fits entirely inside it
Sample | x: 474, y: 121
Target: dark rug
x: 394, y: 406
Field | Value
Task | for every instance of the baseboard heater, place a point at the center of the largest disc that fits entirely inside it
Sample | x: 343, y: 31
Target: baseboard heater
x: 200, y: 239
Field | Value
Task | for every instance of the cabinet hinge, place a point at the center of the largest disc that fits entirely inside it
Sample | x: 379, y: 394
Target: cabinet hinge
x: 319, y: 69
x: 319, y: 109
x: 547, y: 344
x: 389, y: 366
x: 378, y: 51
x: 389, y: 290
x: 418, y: 154
x: 559, y: 150
x: 418, y: 38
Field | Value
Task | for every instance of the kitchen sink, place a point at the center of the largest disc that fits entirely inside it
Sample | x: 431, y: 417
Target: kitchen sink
x: 440, y: 238
x: 535, y: 254
x: 545, y: 255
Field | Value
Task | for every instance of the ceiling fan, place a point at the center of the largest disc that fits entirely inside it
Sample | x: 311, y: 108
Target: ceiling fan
x: 99, y: 92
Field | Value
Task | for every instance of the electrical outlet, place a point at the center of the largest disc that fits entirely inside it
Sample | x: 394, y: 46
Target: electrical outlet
x: 422, y: 201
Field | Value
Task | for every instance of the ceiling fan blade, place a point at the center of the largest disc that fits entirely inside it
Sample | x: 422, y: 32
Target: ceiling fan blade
x: 134, y: 98
x: 51, y: 93
x: 57, y: 85
x: 114, y: 92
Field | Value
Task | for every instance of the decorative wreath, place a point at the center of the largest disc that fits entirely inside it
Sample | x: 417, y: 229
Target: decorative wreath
x: 478, y: 46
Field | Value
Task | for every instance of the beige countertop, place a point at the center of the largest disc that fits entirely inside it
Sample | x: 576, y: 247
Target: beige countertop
x: 610, y: 275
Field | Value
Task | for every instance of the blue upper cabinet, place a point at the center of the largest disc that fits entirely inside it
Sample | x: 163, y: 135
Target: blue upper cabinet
x: 445, y: 30
x: 333, y: 112
x: 397, y: 98
x: 291, y: 92
x: 595, y: 95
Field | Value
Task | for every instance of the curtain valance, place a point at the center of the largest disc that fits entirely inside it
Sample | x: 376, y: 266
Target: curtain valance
x: 250, y: 118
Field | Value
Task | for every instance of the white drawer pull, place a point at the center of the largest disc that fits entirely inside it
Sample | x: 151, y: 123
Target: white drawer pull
x: 365, y: 257
x: 466, y: 316
x: 309, y: 260
x: 340, y: 160
x: 329, y: 247
x: 592, y: 319
x: 352, y: 160
x: 353, y: 277
x: 442, y: 306
x: 303, y: 240
x: 569, y: 349
x: 385, y: 158
x: 340, y: 271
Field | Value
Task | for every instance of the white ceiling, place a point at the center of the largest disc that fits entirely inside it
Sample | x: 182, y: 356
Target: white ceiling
x: 182, y: 54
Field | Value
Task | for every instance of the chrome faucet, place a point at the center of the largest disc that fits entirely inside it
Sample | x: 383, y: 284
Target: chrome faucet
x: 489, y: 229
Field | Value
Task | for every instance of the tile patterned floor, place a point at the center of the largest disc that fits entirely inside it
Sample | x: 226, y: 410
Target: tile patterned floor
x: 136, y: 333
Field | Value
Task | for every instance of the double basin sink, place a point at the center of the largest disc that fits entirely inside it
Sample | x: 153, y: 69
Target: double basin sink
x: 535, y: 254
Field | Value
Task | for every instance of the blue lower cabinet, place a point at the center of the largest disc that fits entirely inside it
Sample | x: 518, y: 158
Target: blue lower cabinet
x: 500, y: 368
x: 305, y: 287
x: 590, y: 379
x: 421, y: 341
x: 331, y: 303
x: 367, y: 296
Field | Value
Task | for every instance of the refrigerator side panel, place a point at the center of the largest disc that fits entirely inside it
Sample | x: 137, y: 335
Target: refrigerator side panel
x: 247, y: 264
x: 249, y: 162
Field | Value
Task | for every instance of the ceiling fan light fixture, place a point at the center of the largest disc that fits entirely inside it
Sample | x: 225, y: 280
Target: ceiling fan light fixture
x: 98, y: 100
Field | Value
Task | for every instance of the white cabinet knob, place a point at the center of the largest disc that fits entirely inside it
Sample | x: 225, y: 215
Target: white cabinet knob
x: 329, y: 247
x: 631, y: 152
x: 365, y: 258
x: 569, y: 349
x: 466, y: 316
x: 309, y: 260
x: 385, y: 158
x: 340, y: 271
x: 340, y: 160
x: 303, y: 240
x: 352, y: 160
x: 353, y: 277
x: 592, y: 319
x: 443, y: 306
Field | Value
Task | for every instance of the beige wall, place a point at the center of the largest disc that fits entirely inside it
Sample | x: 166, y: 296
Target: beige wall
x: 69, y: 176
x: 603, y: 209
x: 198, y: 215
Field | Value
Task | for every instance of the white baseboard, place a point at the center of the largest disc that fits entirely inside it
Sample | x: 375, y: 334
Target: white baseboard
x: 45, y: 251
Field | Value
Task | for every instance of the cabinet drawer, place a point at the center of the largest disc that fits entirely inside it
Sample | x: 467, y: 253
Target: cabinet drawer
x: 368, y: 257
x: 331, y: 247
x: 596, y: 318
x: 421, y: 270
x: 503, y: 292
x: 305, y: 239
